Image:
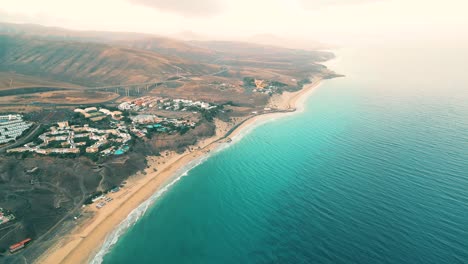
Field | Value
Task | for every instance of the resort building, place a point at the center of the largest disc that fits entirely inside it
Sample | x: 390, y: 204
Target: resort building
x: 87, y: 139
x: 63, y: 125
x: 94, y: 115
x: 12, y: 127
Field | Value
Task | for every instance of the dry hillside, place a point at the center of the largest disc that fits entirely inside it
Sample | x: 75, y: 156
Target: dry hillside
x: 89, y: 64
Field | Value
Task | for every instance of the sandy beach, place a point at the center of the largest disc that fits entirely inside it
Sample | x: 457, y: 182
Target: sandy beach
x: 85, y: 240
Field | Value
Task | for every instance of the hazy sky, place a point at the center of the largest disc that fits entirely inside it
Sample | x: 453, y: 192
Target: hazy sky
x: 324, y: 20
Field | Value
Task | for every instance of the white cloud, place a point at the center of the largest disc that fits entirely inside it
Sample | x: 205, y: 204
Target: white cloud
x: 190, y: 8
x: 325, y: 21
x: 313, y: 4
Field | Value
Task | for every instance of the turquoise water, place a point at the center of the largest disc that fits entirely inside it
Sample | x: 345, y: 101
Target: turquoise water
x: 375, y: 170
x: 121, y: 150
x: 118, y: 152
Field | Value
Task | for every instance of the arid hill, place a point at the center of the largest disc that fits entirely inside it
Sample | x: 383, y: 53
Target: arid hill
x: 89, y: 64
x: 33, y: 56
x: 245, y: 49
x: 162, y: 45
x: 216, y: 52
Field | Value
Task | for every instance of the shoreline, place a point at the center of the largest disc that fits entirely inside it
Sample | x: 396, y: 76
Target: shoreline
x: 85, y: 242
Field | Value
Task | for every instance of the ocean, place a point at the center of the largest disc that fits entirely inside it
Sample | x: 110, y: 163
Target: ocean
x: 374, y: 170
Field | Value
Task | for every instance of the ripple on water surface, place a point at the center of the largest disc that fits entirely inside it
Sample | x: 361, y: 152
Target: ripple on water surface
x: 370, y: 172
